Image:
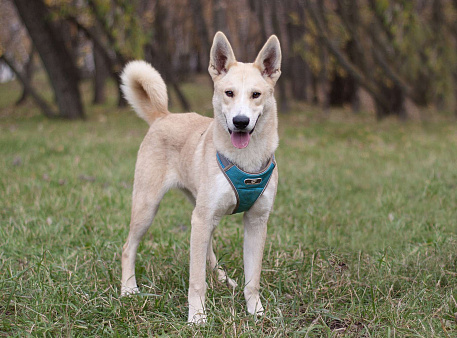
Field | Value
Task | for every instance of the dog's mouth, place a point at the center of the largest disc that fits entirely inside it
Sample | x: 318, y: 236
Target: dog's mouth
x: 240, y: 139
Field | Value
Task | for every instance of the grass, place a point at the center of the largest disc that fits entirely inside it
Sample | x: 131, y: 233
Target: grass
x: 362, y: 241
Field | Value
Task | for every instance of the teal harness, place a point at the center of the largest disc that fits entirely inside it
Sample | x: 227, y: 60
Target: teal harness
x: 247, y: 186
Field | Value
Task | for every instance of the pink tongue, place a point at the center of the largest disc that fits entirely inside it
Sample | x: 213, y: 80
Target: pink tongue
x: 240, y: 140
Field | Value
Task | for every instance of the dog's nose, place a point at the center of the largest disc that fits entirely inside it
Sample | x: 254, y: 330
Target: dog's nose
x: 241, y: 121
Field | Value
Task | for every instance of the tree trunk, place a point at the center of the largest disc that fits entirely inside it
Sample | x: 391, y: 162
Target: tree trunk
x: 299, y: 70
x: 117, y: 61
x: 324, y: 73
x: 278, y: 22
x: 57, y: 61
x: 219, y: 16
x: 28, y: 74
x: 349, y: 13
x: 344, y: 88
x: 113, y: 60
x: 337, y: 95
x: 355, y: 98
x: 395, y: 105
x: 324, y: 81
x: 202, y: 32
x: 315, y: 89
x: 161, y: 60
x: 181, y: 97
x: 257, y: 7
x: 352, y: 86
x: 100, y: 75
x: 455, y: 94
x: 437, y: 26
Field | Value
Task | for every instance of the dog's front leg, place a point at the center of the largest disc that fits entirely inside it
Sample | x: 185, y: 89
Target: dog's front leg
x: 202, y: 226
x: 255, y: 232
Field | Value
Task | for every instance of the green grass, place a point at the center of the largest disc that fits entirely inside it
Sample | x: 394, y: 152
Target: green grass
x: 362, y: 241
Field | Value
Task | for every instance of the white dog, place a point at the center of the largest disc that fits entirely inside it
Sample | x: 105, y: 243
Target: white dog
x: 224, y: 165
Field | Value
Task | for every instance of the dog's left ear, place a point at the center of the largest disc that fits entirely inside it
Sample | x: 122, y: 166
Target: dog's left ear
x: 269, y: 60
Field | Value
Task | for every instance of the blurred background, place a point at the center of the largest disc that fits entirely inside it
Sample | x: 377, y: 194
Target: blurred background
x: 390, y: 58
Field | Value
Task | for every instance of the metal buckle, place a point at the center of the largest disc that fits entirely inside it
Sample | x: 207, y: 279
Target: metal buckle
x: 252, y: 181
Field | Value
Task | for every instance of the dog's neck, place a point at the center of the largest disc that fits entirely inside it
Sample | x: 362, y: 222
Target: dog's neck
x: 261, y: 147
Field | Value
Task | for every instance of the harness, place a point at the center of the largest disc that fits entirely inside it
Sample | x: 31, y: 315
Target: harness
x: 248, y: 187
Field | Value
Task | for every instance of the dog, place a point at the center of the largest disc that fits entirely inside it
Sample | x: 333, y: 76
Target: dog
x: 196, y: 153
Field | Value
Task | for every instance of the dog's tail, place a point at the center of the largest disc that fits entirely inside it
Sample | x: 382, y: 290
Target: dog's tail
x: 144, y: 89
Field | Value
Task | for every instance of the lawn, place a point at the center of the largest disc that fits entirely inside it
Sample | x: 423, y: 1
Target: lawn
x: 362, y: 241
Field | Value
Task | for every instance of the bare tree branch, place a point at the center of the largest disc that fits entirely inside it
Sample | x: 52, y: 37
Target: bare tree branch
x: 342, y: 59
x: 40, y: 102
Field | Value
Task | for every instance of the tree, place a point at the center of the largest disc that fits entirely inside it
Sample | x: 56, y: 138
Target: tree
x: 202, y: 31
x: 27, y: 77
x: 390, y: 52
x: 158, y: 54
x: 101, y: 73
x: 344, y: 88
x: 299, y: 69
x: 57, y: 60
x: 45, y: 108
x: 454, y: 30
x: 395, y: 50
x: 271, y: 18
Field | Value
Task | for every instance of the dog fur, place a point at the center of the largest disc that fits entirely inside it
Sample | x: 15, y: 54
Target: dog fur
x: 179, y: 151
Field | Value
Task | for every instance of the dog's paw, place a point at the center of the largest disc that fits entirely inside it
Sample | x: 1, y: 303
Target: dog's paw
x: 255, y: 307
x: 231, y: 283
x: 223, y: 278
x: 127, y: 291
x: 197, y: 317
x: 260, y: 312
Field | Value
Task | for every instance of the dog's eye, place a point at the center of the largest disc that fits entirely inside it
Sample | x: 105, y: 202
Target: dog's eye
x: 229, y: 93
x: 255, y: 95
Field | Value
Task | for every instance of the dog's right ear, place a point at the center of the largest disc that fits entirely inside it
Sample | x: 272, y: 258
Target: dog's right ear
x: 221, y: 56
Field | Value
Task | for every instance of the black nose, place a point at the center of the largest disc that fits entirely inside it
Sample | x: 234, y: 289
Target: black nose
x: 241, y: 121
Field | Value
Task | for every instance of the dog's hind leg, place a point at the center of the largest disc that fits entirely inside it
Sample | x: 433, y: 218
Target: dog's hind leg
x: 221, y: 274
x: 143, y: 212
x: 148, y: 192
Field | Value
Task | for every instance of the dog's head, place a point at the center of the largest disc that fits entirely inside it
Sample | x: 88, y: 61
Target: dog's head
x: 243, y: 92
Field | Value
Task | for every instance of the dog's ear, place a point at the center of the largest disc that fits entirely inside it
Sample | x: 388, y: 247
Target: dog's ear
x: 221, y: 56
x: 269, y: 60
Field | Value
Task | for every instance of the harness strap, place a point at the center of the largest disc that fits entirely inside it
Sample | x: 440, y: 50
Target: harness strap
x: 248, y: 187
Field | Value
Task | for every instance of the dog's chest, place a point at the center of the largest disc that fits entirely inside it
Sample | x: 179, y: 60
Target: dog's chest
x: 221, y: 199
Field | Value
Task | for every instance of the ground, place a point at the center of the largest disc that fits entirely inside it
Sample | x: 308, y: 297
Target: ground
x: 362, y: 241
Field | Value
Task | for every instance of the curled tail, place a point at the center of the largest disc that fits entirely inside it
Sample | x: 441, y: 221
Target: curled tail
x: 144, y: 89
